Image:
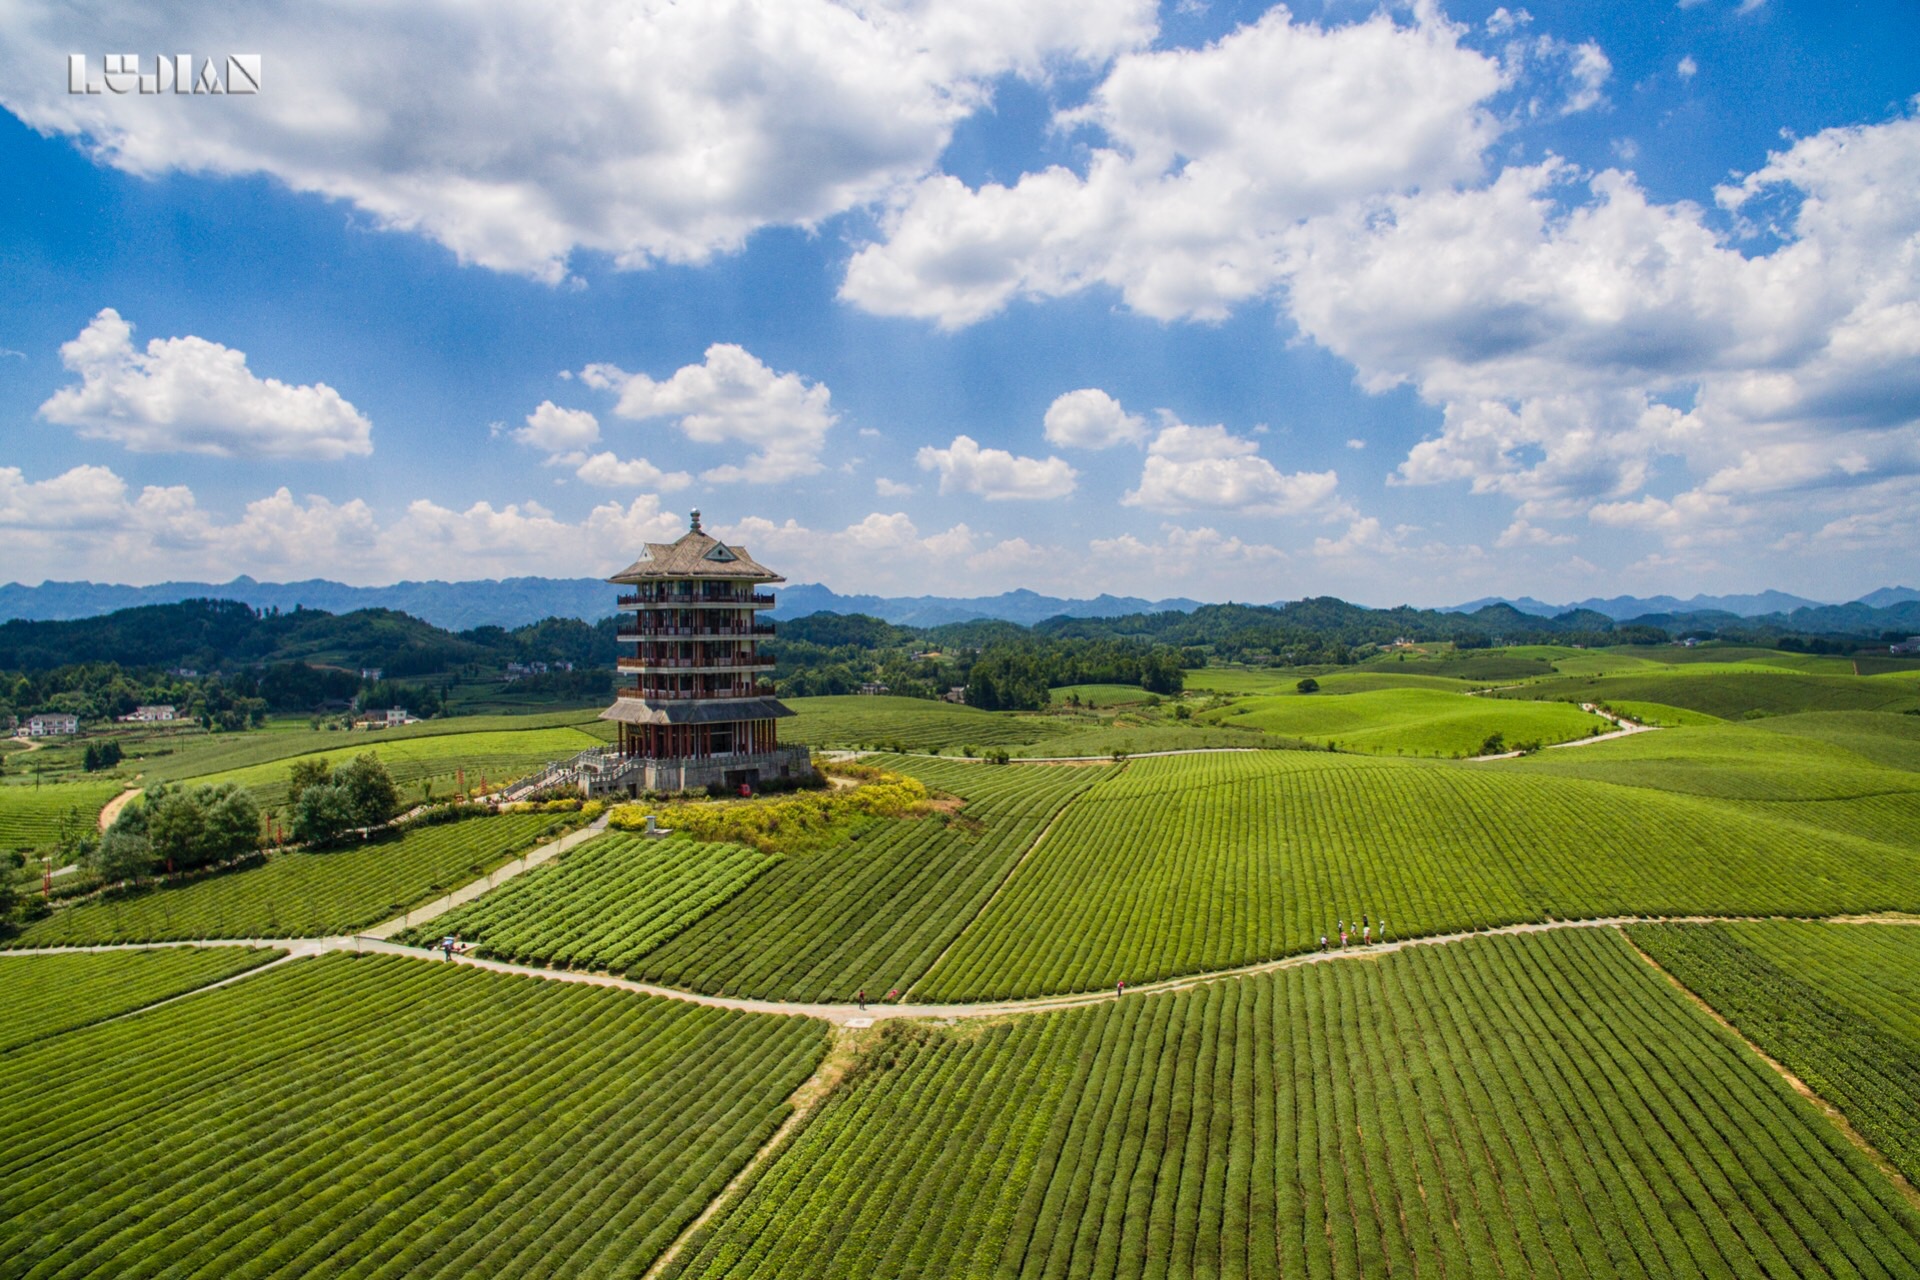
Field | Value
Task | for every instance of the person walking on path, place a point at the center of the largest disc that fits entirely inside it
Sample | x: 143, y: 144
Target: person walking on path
x: 861, y: 996
x: 1323, y: 942
x: 1119, y: 988
x: 446, y: 946
x: 1366, y: 935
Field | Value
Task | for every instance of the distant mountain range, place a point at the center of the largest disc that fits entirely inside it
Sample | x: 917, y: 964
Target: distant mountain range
x: 1621, y: 608
x: 455, y: 606
x: 514, y: 602
x: 1023, y: 606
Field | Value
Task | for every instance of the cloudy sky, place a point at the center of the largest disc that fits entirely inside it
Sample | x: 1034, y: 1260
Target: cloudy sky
x: 1410, y: 302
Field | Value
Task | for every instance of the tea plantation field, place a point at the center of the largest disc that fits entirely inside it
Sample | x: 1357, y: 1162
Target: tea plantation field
x: 604, y: 904
x: 1408, y: 721
x: 440, y: 759
x: 30, y: 816
x: 1195, y: 863
x: 43, y: 996
x: 298, y: 894
x: 876, y: 909
x: 1838, y: 1004
x: 1521, y: 1106
x: 379, y: 1115
x: 1595, y: 1098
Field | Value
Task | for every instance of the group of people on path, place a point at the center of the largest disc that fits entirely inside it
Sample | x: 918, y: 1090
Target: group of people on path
x: 1365, y: 933
x: 451, y: 946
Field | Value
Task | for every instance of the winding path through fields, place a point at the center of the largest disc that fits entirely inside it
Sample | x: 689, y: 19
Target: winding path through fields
x: 852, y: 1016
x: 112, y: 808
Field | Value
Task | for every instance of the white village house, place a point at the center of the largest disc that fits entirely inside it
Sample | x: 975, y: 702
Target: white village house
x: 48, y: 725
x: 158, y: 714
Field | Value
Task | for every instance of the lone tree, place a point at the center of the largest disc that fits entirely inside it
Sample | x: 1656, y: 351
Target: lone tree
x: 1309, y: 685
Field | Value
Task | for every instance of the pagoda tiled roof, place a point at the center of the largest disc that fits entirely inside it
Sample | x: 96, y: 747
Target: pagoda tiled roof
x: 640, y: 711
x: 697, y: 554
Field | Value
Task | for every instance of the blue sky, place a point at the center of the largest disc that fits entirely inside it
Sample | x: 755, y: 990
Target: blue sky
x: 1399, y: 303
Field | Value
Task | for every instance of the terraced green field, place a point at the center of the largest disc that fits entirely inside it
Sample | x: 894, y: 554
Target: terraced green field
x: 914, y: 723
x: 1408, y: 721
x: 297, y: 895
x: 1732, y: 692
x: 45, y: 996
x: 1824, y: 756
x: 1839, y: 1004
x: 1195, y: 863
x: 603, y: 904
x: 494, y: 755
x: 1538, y: 1106
x: 178, y: 756
x: 1094, y: 741
x: 873, y: 910
x: 363, y: 1115
x: 1100, y: 695
x: 30, y: 816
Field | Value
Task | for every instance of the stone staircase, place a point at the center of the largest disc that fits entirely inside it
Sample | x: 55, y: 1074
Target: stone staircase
x: 595, y: 769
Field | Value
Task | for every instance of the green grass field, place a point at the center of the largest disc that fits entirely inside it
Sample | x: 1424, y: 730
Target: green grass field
x: 1407, y: 721
x: 45, y: 996
x: 1839, y: 1004
x: 1541, y: 1106
x: 916, y: 724
x: 362, y: 1115
x: 1194, y: 863
x: 30, y: 816
x: 297, y: 895
x: 604, y: 904
x: 876, y: 908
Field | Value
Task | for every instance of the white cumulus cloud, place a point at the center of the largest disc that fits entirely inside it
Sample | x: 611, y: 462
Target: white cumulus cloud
x: 516, y: 133
x: 1091, y: 419
x: 188, y: 395
x: 1205, y: 156
x: 611, y: 472
x: 996, y: 474
x: 1574, y: 332
x: 558, y: 430
x: 732, y: 398
x: 1211, y: 469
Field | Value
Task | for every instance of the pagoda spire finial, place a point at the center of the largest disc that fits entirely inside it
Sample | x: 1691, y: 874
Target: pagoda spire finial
x: 696, y: 520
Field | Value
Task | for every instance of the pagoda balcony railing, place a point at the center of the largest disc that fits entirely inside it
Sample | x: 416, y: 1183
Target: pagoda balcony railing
x: 696, y: 597
x: 644, y: 633
x: 684, y: 664
x: 760, y: 690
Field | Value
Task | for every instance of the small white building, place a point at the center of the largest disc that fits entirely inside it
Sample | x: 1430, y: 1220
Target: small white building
x: 49, y: 725
x: 398, y: 716
x: 372, y: 673
x: 159, y: 714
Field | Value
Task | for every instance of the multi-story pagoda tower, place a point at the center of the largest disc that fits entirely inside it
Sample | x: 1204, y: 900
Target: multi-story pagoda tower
x: 692, y: 707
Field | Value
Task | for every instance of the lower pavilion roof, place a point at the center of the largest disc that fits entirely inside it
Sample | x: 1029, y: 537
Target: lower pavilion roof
x: 640, y: 711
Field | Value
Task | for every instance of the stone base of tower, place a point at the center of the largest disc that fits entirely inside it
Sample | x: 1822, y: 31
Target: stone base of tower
x: 782, y: 766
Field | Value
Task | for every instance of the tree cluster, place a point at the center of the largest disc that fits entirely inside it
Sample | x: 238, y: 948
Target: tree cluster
x: 173, y: 827
x: 326, y: 803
